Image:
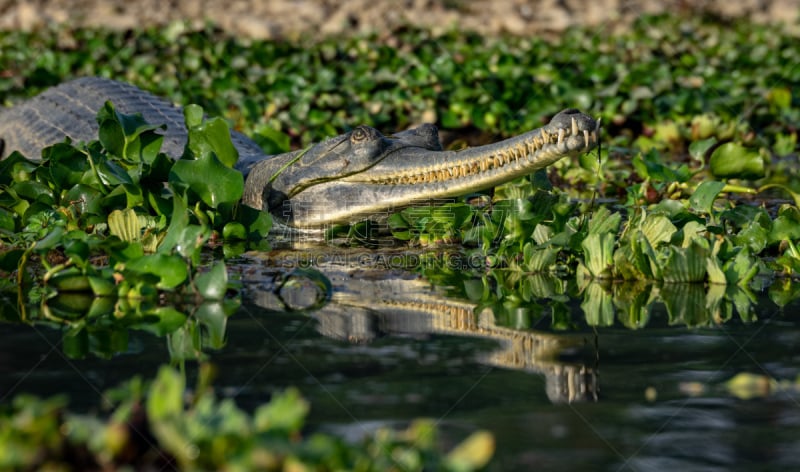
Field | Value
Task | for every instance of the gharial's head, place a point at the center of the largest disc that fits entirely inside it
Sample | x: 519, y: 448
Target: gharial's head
x: 364, y: 173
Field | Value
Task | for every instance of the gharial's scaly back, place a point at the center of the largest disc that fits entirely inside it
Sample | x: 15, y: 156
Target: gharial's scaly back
x: 70, y: 109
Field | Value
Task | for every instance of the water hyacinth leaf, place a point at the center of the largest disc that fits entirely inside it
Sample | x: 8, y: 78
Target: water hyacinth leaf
x: 780, y: 97
x: 785, y: 144
x: 178, y: 222
x: 165, y: 401
x: 684, y: 264
x: 754, y: 236
x: 539, y: 258
x: 16, y: 168
x: 786, y: 226
x: 170, y: 269
x: 285, y: 413
x: 717, y: 304
x: 208, y: 137
x: 272, y: 140
x: 234, y: 231
x: 543, y: 286
x: 657, y: 229
x: 651, y: 165
x: 124, y: 224
x: 191, y: 241
x: 100, y: 286
x: 162, y: 320
x: 603, y: 221
x: 34, y: 192
x: 742, y: 268
x: 598, y: 305
x: 77, y: 250
x: 704, y: 195
x: 716, y: 275
x: 52, y: 240
x: 110, y: 173
x: 743, y: 300
x: 69, y: 281
x: 685, y: 303
x: 8, y: 221
x: 75, y: 343
x: 213, y: 284
x: 698, y: 149
x: 67, y: 165
x: 128, y: 136
x: 196, y: 174
x: 732, y: 160
x: 694, y: 231
x: 473, y: 453
x: 213, y: 319
x: 625, y: 267
x: 598, y: 252
x: 632, y: 300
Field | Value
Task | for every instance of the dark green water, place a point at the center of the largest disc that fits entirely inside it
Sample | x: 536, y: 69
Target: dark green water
x: 596, y: 398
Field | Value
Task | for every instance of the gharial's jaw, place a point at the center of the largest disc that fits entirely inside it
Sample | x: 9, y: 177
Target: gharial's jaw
x: 410, y: 175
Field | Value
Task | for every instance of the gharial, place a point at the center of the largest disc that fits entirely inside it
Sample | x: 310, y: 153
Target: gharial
x: 342, y: 179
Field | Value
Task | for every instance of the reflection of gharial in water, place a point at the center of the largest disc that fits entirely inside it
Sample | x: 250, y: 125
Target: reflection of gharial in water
x: 368, y: 304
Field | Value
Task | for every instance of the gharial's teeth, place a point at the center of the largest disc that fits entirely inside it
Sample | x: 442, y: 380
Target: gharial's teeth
x: 545, y: 136
x: 586, y: 137
x: 574, y: 127
x: 561, y: 135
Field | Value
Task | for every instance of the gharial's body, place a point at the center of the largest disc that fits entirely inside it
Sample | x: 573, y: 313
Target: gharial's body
x: 342, y: 179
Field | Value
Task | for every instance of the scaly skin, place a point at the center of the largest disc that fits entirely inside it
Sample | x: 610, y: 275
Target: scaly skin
x: 359, y: 174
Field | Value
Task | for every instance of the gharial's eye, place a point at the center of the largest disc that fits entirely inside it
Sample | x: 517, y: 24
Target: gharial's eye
x: 359, y: 134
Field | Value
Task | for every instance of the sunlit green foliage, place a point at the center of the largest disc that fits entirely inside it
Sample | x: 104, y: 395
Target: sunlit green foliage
x: 121, y: 201
x: 159, y: 426
x: 694, y: 113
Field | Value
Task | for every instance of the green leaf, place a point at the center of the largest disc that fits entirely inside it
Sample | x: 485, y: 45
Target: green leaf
x: 599, y: 254
x: 598, y: 305
x: 732, y: 160
x: 684, y: 264
x: 170, y: 269
x: 786, y: 226
x: 209, y: 137
x: 16, y: 168
x: 285, y: 413
x: 67, y: 165
x: 101, y: 287
x: 213, y: 284
x: 473, y: 453
x: 124, y: 224
x: 258, y: 223
x: 272, y: 141
x: 163, y: 320
x: 603, y: 221
x: 177, y: 224
x: 213, y: 318
x: 128, y: 136
x: 234, y: 231
x: 704, y: 195
x: 780, y: 97
x: 657, y: 229
x: 228, y: 184
x: 165, y: 400
x: 686, y: 304
x: 698, y: 149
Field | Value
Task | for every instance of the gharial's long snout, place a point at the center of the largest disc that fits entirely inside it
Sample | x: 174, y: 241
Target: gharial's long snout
x: 570, y: 132
x: 410, y: 175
